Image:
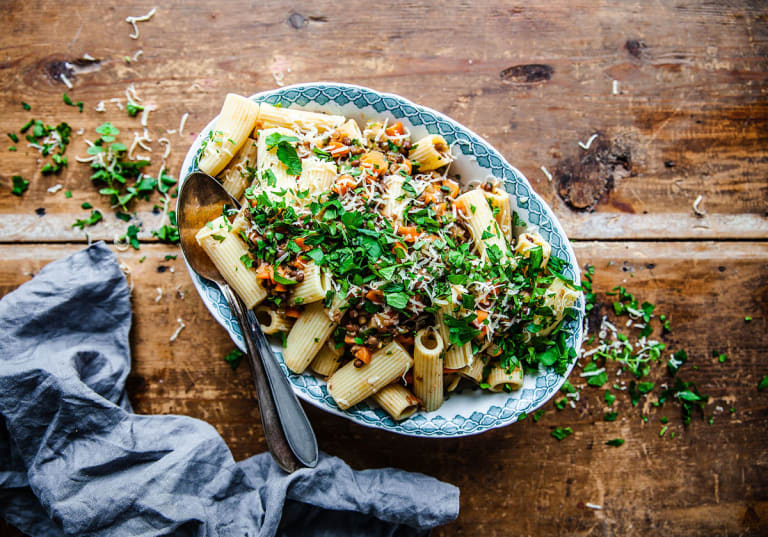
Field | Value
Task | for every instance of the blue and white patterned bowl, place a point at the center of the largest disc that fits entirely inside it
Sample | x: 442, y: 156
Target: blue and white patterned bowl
x: 462, y: 414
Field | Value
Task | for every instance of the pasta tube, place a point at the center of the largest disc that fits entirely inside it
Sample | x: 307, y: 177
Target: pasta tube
x: 560, y: 298
x: 500, y: 205
x: 394, y: 203
x: 307, y: 336
x: 316, y: 177
x: 498, y: 379
x: 431, y: 152
x: 225, y: 249
x: 272, y: 321
x: 473, y: 371
x: 239, y: 174
x: 235, y: 122
x: 267, y: 160
x: 350, y: 385
x: 485, y: 231
x: 397, y: 401
x: 351, y: 130
x: 528, y: 241
x: 313, y: 287
x: 327, y: 360
x: 272, y: 116
x: 428, y: 368
x: 455, y: 357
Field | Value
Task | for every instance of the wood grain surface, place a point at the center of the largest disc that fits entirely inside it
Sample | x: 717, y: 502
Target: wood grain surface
x: 688, y: 119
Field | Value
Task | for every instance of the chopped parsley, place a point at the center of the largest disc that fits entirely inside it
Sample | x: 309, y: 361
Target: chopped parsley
x: 616, y: 442
x: 95, y: 217
x: 20, y: 185
x: 233, y: 358
x: 561, y: 432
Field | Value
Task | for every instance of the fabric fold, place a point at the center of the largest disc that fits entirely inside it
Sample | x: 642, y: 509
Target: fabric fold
x: 75, y: 460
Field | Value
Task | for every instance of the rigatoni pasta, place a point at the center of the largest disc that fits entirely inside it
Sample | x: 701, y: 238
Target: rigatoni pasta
x: 390, y: 278
x: 235, y: 122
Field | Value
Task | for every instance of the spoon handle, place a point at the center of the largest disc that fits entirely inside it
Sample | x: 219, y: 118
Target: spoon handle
x: 287, y: 430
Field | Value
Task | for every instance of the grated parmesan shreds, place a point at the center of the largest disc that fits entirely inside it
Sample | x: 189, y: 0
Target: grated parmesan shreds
x: 697, y: 209
x: 145, y: 114
x: 589, y: 142
x: 101, y: 107
x: 55, y: 188
x: 593, y: 506
x: 615, y: 89
x: 182, y: 123
x: 180, y: 291
x: 546, y: 172
x: 159, y: 294
x: 143, y: 18
x: 88, y: 57
x: 66, y: 81
x: 135, y: 57
x: 178, y: 330
x: 167, y: 143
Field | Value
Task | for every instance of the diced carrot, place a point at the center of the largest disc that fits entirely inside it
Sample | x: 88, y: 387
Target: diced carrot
x: 349, y: 340
x: 399, y: 247
x: 343, y: 184
x: 481, y: 316
x: 298, y: 263
x: 409, y: 233
x: 453, y: 185
x: 374, y: 161
x: 300, y: 243
x: 265, y: 272
x: 430, y: 193
x: 375, y: 295
x: 395, y: 130
x: 280, y: 288
x: 364, y: 355
x: 337, y: 149
x: 294, y: 313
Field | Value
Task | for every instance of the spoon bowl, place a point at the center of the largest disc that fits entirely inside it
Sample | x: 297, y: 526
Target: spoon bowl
x: 287, y: 430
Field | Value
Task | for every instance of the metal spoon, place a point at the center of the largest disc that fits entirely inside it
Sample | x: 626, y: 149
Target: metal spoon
x: 287, y: 430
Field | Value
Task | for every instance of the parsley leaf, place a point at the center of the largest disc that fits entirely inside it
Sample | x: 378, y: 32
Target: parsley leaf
x: 561, y: 432
x: 95, y: 217
x: 233, y: 358
x: 763, y: 384
x: 461, y: 331
x: 397, y: 300
x: 20, y: 185
x: 616, y: 442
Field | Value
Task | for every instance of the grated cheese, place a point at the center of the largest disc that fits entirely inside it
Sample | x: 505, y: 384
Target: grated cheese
x: 55, y: 188
x: 159, y: 294
x: 143, y: 18
x: 546, y: 172
x: 589, y: 142
x: 66, y: 81
x: 178, y: 330
x: 615, y: 90
x: 696, y: 209
x: 182, y: 123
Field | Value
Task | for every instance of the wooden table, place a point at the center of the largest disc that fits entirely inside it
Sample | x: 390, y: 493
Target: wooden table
x: 676, y: 93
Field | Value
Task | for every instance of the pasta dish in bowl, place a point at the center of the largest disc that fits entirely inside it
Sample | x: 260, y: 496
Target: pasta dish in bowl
x: 410, y: 286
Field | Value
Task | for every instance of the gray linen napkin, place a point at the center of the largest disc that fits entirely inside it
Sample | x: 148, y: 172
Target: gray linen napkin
x: 75, y: 460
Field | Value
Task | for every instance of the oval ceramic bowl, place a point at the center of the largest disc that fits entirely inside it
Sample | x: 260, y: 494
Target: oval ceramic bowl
x: 471, y: 411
